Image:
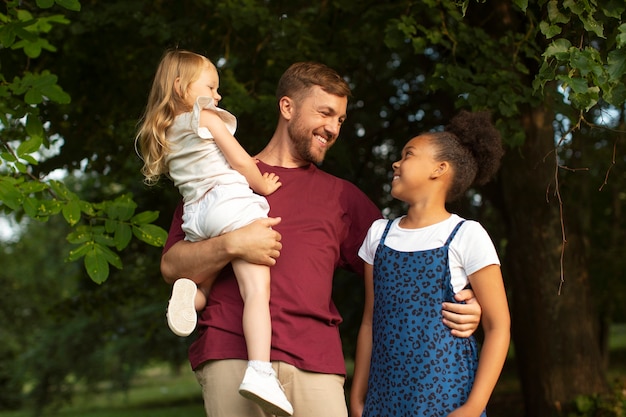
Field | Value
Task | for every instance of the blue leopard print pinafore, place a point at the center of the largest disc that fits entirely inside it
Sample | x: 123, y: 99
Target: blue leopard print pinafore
x: 418, y: 369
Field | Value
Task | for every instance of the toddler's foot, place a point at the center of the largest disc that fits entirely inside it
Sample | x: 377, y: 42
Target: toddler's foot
x: 181, y: 313
x: 266, y: 391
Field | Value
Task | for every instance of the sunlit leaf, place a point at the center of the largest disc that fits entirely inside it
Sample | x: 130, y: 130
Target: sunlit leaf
x: 10, y: 194
x: 151, y: 234
x: 29, y: 146
x: 71, y: 212
x: 145, y: 217
x: 81, y: 234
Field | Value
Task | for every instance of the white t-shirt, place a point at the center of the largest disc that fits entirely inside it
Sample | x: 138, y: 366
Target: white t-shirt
x: 471, y: 249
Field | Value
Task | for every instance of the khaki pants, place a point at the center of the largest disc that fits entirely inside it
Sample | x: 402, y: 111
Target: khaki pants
x: 311, y: 394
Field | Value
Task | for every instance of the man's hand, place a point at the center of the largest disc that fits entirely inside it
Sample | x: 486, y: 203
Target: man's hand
x: 257, y: 242
x: 462, y: 319
x: 203, y: 260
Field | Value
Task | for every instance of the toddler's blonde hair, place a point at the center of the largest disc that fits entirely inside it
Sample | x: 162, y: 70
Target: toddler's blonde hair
x: 165, y: 102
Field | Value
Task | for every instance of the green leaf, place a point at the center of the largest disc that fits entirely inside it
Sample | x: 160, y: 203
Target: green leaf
x: 613, y: 8
x: 29, y: 146
x: 31, y: 207
x: 29, y: 187
x: 110, y: 256
x: 616, y: 64
x: 33, y: 97
x: 123, y: 235
x: 8, y: 157
x: 87, y: 208
x: 145, y: 217
x: 587, y: 99
x: 151, y: 234
x: 586, y: 61
x: 96, y: 265
x: 7, y: 34
x: 79, y: 252
x: 103, y: 239
x: 558, y: 49
x: 73, y: 5
x: 554, y: 14
x: 110, y: 225
x: 49, y: 207
x: 578, y: 85
x: 548, y: 30
x: 22, y: 168
x: 61, y: 191
x: 592, y: 25
x: 34, y: 127
x: 31, y: 49
x: 621, y: 36
x: 522, y: 4
x: 615, y: 95
x: 71, y: 212
x: 10, y: 195
x: 121, y: 208
x: 30, y: 159
x: 81, y: 234
x: 56, y: 94
x: 45, y: 4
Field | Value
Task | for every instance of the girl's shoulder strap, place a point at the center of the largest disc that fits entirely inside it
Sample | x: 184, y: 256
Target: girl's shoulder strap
x: 387, y: 227
x: 456, y: 229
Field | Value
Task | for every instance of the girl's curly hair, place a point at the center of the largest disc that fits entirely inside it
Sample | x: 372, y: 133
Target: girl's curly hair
x: 473, y: 146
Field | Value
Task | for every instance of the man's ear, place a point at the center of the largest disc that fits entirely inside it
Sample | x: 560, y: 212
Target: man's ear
x: 286, y: 107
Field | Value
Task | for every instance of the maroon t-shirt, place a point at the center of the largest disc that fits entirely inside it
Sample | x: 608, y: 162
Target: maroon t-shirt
x: 324, y: 222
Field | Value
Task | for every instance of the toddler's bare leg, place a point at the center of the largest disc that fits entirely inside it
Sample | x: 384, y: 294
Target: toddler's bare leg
x: 254, y: 286
x: 260, y: 383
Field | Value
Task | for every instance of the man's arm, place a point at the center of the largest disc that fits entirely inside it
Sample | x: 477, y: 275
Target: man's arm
x: 256, y: 243
x: 462, y: 319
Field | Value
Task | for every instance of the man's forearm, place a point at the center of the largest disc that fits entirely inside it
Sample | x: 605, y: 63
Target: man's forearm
x: 255, y: 243
x: 197, y: 261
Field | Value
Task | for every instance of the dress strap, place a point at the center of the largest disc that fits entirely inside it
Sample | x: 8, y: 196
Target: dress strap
x: 382, y: 238
x: 456, y: 229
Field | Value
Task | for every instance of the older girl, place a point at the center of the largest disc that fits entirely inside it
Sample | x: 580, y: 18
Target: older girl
x: 408, y: 363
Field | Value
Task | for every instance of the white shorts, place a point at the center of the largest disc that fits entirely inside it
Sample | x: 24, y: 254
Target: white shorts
x: 223, y: 209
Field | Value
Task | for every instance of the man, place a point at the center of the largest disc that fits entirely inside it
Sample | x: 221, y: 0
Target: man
x: 323, y: 221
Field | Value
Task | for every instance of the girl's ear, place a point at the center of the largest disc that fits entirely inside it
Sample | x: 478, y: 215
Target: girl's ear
x: 286, y: 107
x: 441, y: 169
x: 177, y: 87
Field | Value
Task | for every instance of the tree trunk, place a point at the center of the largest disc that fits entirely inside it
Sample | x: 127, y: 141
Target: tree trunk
x: 555, y: 335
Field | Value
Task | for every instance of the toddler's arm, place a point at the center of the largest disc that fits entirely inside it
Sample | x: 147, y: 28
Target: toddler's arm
x: 237, y: 156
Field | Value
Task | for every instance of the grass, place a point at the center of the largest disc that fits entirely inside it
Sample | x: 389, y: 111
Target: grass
x: 157, y: 392
x: 507, y: 400
x: 617, y: 339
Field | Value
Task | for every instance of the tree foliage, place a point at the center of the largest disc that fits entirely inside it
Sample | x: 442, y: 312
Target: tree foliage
x: 100, y: 228
x: 551, y: 72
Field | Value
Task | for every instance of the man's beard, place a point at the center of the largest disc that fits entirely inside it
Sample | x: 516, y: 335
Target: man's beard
x: 301, y: 139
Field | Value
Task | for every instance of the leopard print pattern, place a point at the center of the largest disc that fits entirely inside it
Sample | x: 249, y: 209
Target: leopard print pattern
x: 418, y: 368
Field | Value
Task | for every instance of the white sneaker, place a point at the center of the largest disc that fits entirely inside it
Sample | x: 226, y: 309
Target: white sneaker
x: 181, y: 311
x: 266, y: 391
